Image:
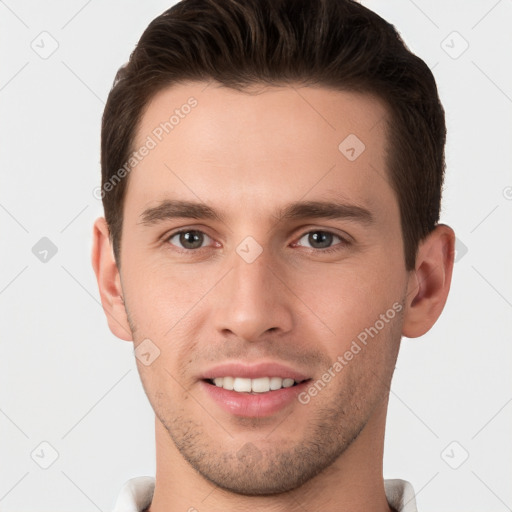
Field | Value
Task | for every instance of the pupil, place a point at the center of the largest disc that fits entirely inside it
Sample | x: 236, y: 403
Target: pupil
x: 320, y: 239
x: 191, y: 239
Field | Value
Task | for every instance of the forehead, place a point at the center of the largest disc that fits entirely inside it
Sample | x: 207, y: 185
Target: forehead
x: 261, y: 145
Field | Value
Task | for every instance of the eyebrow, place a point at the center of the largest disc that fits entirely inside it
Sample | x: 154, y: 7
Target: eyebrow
x: 326, y: 210
x: 172, y: 209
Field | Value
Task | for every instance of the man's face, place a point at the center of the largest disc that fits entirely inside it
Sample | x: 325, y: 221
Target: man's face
x: 266, y: 283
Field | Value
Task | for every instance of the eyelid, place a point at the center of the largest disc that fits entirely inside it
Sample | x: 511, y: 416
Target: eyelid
x: 342, y: 236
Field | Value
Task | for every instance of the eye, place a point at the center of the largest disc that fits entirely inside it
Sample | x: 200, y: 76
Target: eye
x: 320, y: 240
x: 189, y: 239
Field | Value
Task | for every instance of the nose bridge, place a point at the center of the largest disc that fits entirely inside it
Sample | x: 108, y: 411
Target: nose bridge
x: 253, y: 278
x: 252, y: 300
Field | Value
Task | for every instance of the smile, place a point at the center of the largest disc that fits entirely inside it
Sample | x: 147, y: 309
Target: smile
x: 259, y: 385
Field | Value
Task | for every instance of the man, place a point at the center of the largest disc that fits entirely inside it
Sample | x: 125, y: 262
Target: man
x: 271, y: 178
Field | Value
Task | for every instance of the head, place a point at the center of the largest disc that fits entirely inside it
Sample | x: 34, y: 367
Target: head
x: 283, y: 217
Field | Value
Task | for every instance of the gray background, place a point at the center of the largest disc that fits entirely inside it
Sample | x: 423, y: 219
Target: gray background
x: 68, y: 383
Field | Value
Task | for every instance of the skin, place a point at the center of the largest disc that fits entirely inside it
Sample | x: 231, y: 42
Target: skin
x: 247, y: 156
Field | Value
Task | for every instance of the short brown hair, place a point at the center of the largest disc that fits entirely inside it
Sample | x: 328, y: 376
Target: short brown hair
x: 333, y: 43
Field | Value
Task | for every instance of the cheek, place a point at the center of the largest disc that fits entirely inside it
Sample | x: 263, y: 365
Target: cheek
x: 161, y: 295
x: 348, y: 297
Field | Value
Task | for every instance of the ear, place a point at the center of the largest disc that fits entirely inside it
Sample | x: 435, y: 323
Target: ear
x: 109, y: 281
x: 429, y: 282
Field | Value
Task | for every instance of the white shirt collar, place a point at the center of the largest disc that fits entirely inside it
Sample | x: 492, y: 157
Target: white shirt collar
x: 137, y: 493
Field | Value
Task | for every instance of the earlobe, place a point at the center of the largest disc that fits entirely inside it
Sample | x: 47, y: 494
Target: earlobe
x: 429, y: 283
x: 109, y: 281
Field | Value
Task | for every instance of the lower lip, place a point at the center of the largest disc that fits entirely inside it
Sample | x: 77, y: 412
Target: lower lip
x: 258, y: 405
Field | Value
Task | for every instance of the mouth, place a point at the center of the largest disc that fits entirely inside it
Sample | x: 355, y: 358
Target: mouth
x: 253, y: 390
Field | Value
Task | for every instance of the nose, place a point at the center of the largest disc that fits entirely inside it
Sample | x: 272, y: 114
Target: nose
x: 253, y: 301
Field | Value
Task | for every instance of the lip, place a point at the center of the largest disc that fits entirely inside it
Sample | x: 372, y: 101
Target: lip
x: 257, y: 405
x: 253, y: 371
x: 253, y: 405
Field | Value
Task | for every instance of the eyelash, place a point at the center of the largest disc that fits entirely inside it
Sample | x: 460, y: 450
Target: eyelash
x: 343, y: 241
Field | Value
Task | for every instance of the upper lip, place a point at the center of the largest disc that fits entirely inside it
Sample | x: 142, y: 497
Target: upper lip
x: 253, y: 371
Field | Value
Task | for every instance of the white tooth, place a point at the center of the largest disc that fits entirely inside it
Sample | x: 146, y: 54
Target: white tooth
x: 228, y: 383
x: 288, y: 383
x: 276, y: 383
x: 218, y: 381
x: 261, y: 385
x: 242, y: 385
